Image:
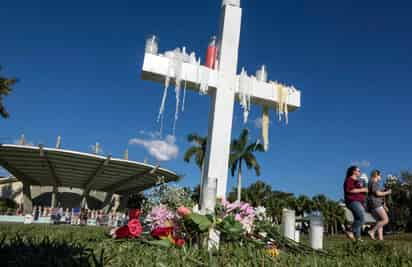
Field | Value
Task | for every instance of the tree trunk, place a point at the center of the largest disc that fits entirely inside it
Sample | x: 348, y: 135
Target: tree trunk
x: 239, y: 182
x: 201, y: 185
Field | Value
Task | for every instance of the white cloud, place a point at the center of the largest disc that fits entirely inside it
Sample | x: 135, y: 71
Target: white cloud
x: 152, y: 135
x: 361, y: 163
x: 161, y: 149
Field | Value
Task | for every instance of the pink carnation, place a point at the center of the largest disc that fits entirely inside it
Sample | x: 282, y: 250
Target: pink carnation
x: 160, y: 216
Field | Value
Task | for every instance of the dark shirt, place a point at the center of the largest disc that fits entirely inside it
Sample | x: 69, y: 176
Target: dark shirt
x: 348, y: 186
x: 374, y: 201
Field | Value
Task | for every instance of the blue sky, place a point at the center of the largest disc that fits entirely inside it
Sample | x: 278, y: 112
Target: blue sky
x: 79, y: 68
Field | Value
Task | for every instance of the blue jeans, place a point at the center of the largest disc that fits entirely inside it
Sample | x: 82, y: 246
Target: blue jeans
x: 358, y: 212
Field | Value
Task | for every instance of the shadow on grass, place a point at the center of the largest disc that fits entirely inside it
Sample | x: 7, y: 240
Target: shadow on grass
x: 34, y: 252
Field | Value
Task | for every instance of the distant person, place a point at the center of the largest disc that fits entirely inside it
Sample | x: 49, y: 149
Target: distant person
x: 355, y: 195
x: 83, y: 216
x: 36, y: 213
x: 376, y: 200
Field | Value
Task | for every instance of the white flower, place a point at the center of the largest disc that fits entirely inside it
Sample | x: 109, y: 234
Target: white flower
x: 260, y: 213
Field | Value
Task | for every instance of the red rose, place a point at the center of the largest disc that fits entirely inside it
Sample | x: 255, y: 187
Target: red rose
x: 134, y: 214
x: 180, y: 242
x: 162, y: 231
x: 135, y: 228
x: 122, y: 232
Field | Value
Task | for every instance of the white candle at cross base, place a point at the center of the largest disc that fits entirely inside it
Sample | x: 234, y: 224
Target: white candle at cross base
x: 297, y: 236
x: 316, y: 232
x: 210, y: 202
x: 288, y: 223
x: 231, y: 3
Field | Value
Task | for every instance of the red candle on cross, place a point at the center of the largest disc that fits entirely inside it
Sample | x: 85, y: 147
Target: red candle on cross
x: 211, y: 54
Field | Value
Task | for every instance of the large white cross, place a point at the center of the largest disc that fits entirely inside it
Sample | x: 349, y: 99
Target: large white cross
x: 223, y: 86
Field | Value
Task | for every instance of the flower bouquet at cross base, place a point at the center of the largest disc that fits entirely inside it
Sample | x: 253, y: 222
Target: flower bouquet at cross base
x: 237, y: 222
x: 164, y: 226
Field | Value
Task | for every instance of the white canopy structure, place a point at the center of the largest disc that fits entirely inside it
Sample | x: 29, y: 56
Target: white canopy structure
x: 65, y: 168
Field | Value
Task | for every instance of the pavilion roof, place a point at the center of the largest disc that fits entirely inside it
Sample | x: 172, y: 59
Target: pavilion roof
x: 65, y: 168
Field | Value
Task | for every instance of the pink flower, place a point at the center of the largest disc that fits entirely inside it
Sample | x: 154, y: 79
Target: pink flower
x: 160, y: 217
x: 232, y: 206
x: 244, y: 206
x: 225, y: 202
x: 250, y: 211
x: 183, y: 211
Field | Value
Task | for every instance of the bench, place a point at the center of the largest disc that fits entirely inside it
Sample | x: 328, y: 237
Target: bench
x: 349, y: 216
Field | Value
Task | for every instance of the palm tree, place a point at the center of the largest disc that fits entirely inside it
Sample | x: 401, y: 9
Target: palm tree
x: 319, y: 201
x: 258, y: 193
x: 303, y: 204
x: 242, y: 152
x: 198, y: 151
x: 276, y: 203
x: 5, y: 89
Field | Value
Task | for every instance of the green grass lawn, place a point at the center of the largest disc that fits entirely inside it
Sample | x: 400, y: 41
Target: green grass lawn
x: 49, y: 245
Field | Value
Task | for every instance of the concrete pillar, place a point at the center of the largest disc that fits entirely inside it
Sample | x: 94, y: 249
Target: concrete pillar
x: 116, y: 203
x: 107, y: 203
x: 83, y: 203
x: 27, y: 200
x: 54, y: 193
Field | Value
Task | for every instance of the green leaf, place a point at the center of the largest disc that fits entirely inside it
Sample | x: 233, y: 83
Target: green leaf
x: 201, y: 221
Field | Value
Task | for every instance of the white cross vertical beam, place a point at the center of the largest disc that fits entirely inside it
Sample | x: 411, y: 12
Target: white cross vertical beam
x: 221, y: 111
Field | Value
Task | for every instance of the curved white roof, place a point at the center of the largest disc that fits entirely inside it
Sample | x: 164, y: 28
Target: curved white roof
x: 49, y: 166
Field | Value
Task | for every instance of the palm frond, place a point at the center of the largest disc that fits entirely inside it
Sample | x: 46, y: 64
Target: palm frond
x: 5, y: 89
x: 194, y: 137
x: 251, y: 162
x: 199, y: 158
x: 189, y: 153
x: 233, y: 167
x: 243, y: 139
x: 256, y: 146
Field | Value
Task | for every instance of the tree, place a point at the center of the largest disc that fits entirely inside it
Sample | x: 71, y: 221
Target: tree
x: 400, y: 202
x: 5, y: 90
x: 198, y: 151
x: 303, y: 204
x: 241, y: 151
x: 257, y: 194
x: 333, y: 214
x: 276, y: 203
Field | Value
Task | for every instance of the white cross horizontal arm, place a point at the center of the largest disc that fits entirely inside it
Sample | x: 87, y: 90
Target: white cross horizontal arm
x: 156, y: 68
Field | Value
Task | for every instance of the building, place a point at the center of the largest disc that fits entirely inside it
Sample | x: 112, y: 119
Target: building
x: 54, y: 176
